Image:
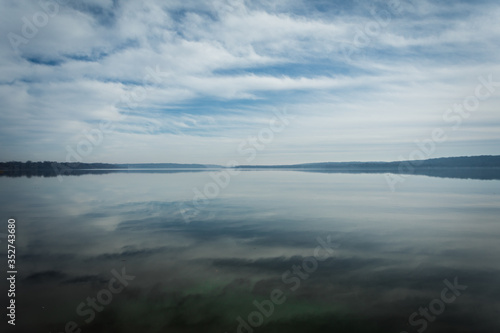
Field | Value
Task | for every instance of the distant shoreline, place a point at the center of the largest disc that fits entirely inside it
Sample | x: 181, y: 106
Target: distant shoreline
x: 465, y: 167
x: 459, y: 161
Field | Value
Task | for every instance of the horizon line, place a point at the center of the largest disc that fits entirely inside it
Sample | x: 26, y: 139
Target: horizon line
x: 239, y: 165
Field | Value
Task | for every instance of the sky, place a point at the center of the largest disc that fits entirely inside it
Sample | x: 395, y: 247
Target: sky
x: 248, y: 82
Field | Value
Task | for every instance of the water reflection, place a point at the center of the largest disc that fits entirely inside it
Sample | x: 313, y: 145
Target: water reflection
x: 394, y: 251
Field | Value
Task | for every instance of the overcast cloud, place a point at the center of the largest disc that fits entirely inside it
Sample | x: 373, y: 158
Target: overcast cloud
x: 364, y: 79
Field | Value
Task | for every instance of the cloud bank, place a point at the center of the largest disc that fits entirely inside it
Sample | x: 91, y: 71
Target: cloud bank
x: 187, y: 82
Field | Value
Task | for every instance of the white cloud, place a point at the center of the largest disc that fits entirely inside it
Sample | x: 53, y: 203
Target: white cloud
x: 226, y: 64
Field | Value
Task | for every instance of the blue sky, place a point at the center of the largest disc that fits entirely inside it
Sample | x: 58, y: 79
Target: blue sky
x: 363, y: 80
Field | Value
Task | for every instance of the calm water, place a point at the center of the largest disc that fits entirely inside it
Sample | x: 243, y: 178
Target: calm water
x: 274, y: 251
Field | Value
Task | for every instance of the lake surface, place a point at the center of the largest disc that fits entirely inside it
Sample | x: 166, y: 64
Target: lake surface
x: 269, y: 251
